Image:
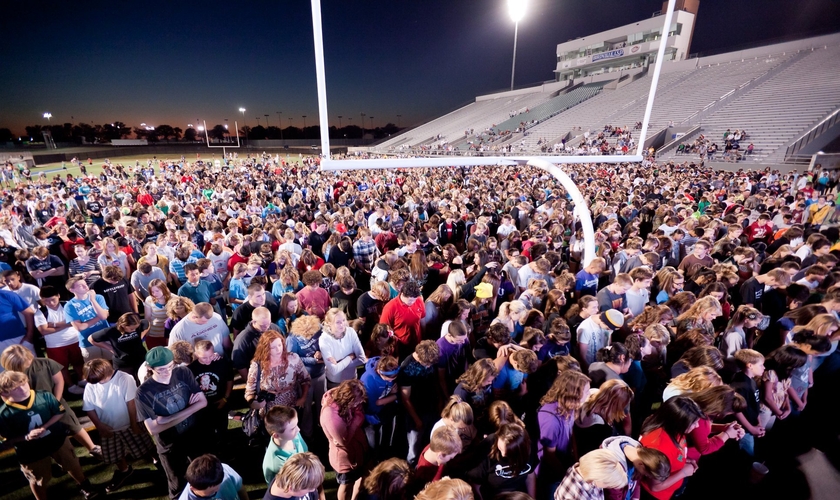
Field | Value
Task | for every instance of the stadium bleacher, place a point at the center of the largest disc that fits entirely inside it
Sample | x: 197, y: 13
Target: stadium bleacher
x: 775, y: 95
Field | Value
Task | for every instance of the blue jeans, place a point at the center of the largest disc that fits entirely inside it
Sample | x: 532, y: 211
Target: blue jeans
x: 747, y: 444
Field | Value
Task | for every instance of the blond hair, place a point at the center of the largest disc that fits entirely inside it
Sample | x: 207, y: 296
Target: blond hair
x: 603, y: 468
x: 10, y: 381
x: 16, y: 358
x: 305, y: 326
x: 446, y: 441
x: 819, y: 324
x: 446, y: 489
x: 301, y: 472
x: 696, y: 380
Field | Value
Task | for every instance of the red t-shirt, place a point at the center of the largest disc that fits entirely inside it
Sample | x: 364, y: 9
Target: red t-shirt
x: 427, y: 472
x: 676, y: 454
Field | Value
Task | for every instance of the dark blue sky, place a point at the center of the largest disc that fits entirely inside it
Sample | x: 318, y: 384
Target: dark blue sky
x: 173, y: 62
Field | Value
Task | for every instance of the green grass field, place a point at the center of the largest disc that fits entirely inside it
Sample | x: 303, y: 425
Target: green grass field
x: 147, y: 482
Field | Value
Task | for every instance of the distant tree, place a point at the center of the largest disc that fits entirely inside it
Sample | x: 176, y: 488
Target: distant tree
x: 218, y: 132
x: 34, y: 132
x: 273, y: 132
x: 190, y: 134
x: 165, y: 132
x: 258, y: 132
x: 246, y: 132
x: 6, y: 135
x: 176, y: 133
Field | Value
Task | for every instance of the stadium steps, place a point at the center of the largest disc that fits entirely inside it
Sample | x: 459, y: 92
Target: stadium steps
x: 777, y: 111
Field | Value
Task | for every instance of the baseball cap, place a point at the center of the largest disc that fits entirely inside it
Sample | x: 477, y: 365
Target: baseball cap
x: 159, y: 356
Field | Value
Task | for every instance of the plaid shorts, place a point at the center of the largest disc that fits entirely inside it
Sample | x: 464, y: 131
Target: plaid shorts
x: 124, y: 443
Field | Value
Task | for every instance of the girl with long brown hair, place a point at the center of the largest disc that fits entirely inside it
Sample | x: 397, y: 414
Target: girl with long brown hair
x: 342, y: 419
x: 599, y: 415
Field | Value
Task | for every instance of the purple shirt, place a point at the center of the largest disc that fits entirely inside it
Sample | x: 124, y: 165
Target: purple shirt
x: 453, y: 359
x: 555, y: 431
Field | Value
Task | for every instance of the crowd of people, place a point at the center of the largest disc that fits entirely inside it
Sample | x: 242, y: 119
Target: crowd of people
x: 708, y: 149
x: 442, y: 330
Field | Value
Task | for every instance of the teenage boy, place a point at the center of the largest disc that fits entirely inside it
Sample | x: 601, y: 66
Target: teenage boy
x: 29, y: 420
x: 300, y: 478
x: 141, y: 278
x: 699, y: 258
x: 109, y: 403
x: 312, y: 298
x: 258, y: 297
x: 167, y: 402
x: 346, y: 297
x: 281, y: 422
x: 753, y: 290
x: 586, y: 280
x: 403, y: 313
x: 638, y: 295
x: 195, y: 288
x: 61, y: 338
x: 117, y: 292
x: 415, y: 380
x: 594, y: 333
x: 217, y: 285
x: 208, y: 478
x: 454, y: 353
x: 88, y: 313
x: 379, y: 380
x: 444, y: 446
x: 203, y: 323
x: 614, y: 295
x: 213, y: 376
x: 751, y: 365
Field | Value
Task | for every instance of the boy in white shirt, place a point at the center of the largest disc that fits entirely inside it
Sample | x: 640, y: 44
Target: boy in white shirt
x: 61, y: 337
x: 109, y: 403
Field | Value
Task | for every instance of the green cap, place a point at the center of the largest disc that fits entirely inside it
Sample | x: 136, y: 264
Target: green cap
x: 159, y: 356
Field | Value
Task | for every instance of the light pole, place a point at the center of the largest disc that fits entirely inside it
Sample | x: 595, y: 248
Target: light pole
x: 48, y: 116
x: 398, y: 120
x: 280, y: 124
x: 266, y: 121
x: 363, y: 126
x: 516, y: 9
x: 304, y: 126
x: 258, y: 121
x: 371, y: 124
x: 339, y: 121
x: 244, y: 123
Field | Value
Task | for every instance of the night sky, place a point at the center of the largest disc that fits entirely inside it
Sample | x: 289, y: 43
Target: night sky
x: 173, y: 62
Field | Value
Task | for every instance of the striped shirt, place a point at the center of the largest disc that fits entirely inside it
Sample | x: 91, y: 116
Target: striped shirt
x: 155, y: 314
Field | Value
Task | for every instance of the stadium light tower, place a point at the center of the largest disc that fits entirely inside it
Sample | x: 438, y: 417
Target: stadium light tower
x: 516, y: 9
x: 48, y: 116
x: 244, y: 123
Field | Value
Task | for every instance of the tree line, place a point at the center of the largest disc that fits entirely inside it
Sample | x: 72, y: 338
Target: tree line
x: 88, y: 133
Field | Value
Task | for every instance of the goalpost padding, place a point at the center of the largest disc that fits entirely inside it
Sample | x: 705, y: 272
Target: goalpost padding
x: 547, y: 163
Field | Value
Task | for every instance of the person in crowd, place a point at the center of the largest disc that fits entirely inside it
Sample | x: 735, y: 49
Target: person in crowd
x: 342, y: 419
x: 31, y: 420
x: 167, y: 403
x: 283, y: 426
x: 415, y: 381
x: 208, y: 477
x: 109, y: 402
x: 213, y: 375
x: 595, y: 472
x: 203, y: 323
x: 61, y: 338
x: 341, y: 349
x: 304, y: 340
x: 276, y: 376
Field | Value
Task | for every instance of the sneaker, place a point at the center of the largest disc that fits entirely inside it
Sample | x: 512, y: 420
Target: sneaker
x: 76, y: 390
x: 89, y: 492
x: 118, y: 480
x: 96, y: 452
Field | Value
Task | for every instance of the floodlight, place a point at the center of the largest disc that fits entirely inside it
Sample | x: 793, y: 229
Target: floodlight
x: 516, y: 9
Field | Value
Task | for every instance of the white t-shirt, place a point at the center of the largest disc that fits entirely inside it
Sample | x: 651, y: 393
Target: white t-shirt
x: 636, y: 302
x: 214, y: 331
x: 30, y: 293
x: 61, y: 338
x: 109, y: 400
x: 219, y: 262
x: 593, y: 336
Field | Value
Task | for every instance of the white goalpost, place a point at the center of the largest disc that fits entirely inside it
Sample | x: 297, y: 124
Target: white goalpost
x: 546, y: 163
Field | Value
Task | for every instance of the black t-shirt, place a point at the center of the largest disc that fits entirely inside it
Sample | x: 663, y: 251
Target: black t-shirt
x: 95, y: 208
x: 129, y: 351
x: 495, y: 476
x: 245, y: 345
x: 745, y: 386
x: 420, y: 379
x: 117, y: 296
x: 347, y: 303
x: 752, y: 292
x: 162, y: 400
x: 243, y: 314
x: 212, y: 378
x: 313, y: 495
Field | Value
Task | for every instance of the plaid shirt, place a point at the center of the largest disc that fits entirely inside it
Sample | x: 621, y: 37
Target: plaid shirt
x: 365, y: 254
x: 573, y: 487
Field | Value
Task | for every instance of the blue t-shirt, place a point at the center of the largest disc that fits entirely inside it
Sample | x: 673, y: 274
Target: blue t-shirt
x: 586, y: 283
x: 376, y: 388
x: 237, y: 290
x: 82, y: 310
x: 199, y: 293
x: 10, y: 324
x: 509, y: 378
